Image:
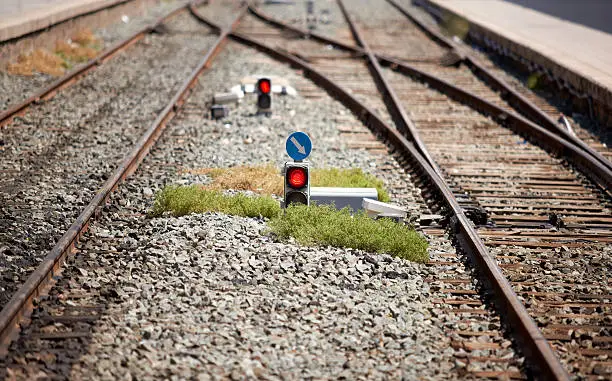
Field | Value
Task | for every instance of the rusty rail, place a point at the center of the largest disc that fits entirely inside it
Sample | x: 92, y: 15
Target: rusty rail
x: 541, y: 358
x: 539, y: 354
x: 512, y: 96
x: 592, y: 168
x: 391, y: 100
x: 20, y: 305
x: 74, y: 75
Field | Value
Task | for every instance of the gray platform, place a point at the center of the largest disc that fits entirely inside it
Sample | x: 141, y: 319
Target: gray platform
x: 578, y: 54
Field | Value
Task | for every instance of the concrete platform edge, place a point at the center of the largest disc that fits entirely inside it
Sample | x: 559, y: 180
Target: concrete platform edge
x: 36, y: 21
x: 495, y: 41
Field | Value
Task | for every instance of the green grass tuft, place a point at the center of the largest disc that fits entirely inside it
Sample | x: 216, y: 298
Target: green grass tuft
x: 348, y: 178
x: 309, y: 225
x: 324, y: 225
x: 180, y: 201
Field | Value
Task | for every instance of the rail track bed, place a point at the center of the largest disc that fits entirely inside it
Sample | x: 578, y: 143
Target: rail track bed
x: 558, y: 265
x: 216, y: 296
x: 269, y: 286
x: 56, y: 156
x: 17, y: 88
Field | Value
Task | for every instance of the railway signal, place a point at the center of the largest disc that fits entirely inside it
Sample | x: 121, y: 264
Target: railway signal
x: 297, y: 183
x: 296, y: 173
x: 264, y: 96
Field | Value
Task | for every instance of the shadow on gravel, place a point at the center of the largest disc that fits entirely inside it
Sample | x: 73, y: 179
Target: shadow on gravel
x: 59, y: 334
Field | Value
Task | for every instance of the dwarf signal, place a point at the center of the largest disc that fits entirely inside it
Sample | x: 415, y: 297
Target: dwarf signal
x: 264, y: 96
x: 297, y: 183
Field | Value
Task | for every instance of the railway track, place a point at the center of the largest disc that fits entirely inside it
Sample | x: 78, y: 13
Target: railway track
x: 57, y: 156
x: 537, y: 108
x: 526, y: 238
x: 488, y: 354
x: 47, y: 92
x: 20, y: 304
x: 76, y: 318
x: 480, y: 347
x: 512, y: 191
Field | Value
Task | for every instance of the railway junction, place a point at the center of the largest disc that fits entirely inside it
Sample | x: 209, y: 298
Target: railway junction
x: 147, y: 230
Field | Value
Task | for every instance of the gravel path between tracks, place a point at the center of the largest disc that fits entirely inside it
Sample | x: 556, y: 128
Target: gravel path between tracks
x: 56, y: 157
x: 329, y: 18
x: 211, y: 297
x: 16, y: 88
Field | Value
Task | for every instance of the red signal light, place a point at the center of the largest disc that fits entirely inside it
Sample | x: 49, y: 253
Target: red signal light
x: 264, y: 86
x: 297, y: 177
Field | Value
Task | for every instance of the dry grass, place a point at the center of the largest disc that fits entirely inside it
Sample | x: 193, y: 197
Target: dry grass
x: 262, y: 179
x: 82, y: 47
x: 37, y: 61
x: 74, y: 52
x: 85, y: 37
x: 266, y: 179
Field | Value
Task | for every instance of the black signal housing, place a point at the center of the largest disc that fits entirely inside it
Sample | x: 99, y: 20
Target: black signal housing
x: 264, y: 95
x: 297, y: 183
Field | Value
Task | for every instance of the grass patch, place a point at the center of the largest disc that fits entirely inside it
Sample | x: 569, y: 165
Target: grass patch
x: 182, y: 200
x: 263, y: 179
x: 266, y: 179
x: 324, y: 225
x: 533, y: 81
x: 40, y: 61
x: 348, y: 178
x: 455, y: 25
x: 313, y: 225
x: 83, y: 46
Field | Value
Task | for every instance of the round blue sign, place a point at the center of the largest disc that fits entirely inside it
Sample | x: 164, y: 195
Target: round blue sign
x: 298, y: 146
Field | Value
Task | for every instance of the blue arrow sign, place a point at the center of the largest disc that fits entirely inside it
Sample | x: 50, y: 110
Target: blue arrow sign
x: 298, y: 146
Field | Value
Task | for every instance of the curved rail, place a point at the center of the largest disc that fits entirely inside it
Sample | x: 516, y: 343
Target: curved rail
x: 542, y: 360
x: 513, y: 97
x: 547, y: 364
x: 592, y: 168
x: 391, y: 100
x: 73, y: 76
x: 20, y: 305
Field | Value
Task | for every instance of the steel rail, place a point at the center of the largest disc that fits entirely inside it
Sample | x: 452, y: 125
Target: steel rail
x: 511, y: 95
x: 20, y: 305
x: 391, y: 100
x: 74, y: 75
x: 548, y: 365
x: 592, y: 168
x: 543, y: 363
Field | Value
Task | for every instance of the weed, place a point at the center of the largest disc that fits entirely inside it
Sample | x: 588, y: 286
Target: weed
x: 83, y: 47
x: 348, y: 178
x: 182, y: 200
x: 309, y: 225
x: 74, y: 52
x: 84, y: 37
x: 533, y: 81
x: 40, y: 61
x: 455, y: 25
x: 324, y: 225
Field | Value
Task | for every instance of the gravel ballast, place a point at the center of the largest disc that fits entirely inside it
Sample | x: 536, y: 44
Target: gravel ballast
x: 214, y: 297
x: 16, y: 88
x: 58, y: 155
